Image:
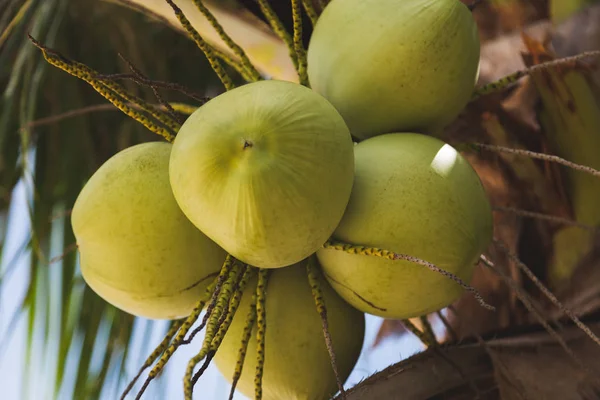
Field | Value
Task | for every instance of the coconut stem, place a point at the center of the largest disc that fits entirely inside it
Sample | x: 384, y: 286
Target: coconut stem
x: 164, y: 344
x: 185, y: 327
x: 216, y: 295
x: 298, y: 45
x: 449, y: 329
x: 545, y: 217
x: 428, y: 330
x: 211, y: 327
x: 261, y: 325
x: 233, y: 63
x: 226, y: 318
x: 376, y: 252
x: 310, y: 11
x: 234, y: 303
x: 138, y: 76
x: 538, y: 156
x: 279, y: 29
x: 424, y: 338
x: 202, y: 45
x: 546, y: 291
x: 508, y: 80
x: 111, y: 91
x: 239, y: 365
x: 526, y: 300
x: 238, y: 51
x: 317, y: 293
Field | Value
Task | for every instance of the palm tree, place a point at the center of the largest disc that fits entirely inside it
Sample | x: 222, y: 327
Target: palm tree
x: 56, y: 131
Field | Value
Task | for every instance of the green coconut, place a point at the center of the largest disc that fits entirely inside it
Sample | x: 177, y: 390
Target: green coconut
x: 137, y: 249
x: 413, y: 194
x: 395, y: 65
x: 297, y: 364
x: 265, y: 170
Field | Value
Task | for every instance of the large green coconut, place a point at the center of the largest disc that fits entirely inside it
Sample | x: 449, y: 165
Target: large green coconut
x: 395, y: 65
x: 415, y: 195
x: 297, y: 364
x: 138, y: 250
x: 265, y: 170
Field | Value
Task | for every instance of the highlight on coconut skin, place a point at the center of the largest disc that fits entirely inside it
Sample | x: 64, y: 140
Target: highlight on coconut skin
x: 265, y: 223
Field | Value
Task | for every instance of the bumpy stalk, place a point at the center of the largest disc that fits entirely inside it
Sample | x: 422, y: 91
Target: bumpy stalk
x: 211, y: 328
x: 211, y: 292
x: 428, y: 330
x: 423, y: 337
x: 234, y: 303
x: 509, y: 80
x: 160, y: 349
x: 183, y: 329
x: 279, y: 29
x: 310, y: 11
x: 202, y: 45
x: 233, y: 63
x: 298, y: 45
x: 315, y: 286
x: 113, y: 92
x: 237, y: 50
x: 227, y: 317
x: 239, y: 365
x: 376, y: 252
x: 261, y: 330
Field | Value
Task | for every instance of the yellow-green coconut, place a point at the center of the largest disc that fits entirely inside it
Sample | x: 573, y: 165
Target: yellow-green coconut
x: 265, y: 170
x: 137, y: 249
x: 416, y: 195
x: 395, y: 65
x: 297, y: 364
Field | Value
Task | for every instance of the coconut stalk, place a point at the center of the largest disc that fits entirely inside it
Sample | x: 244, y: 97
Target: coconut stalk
x: 263, y: 47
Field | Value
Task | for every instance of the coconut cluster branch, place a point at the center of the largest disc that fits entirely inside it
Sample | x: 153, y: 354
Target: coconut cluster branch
x: 390, y: 255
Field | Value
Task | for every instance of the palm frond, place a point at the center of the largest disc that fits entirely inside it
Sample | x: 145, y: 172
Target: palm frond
x: 75, y: 343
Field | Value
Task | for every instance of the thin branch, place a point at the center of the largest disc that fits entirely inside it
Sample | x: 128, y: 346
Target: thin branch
x: 390, y: 255
x: 138, y: 74
x: 531, y: 308
x: 449, y: 329
x: 159, y: 84
x: 538, y: 156
x: 182, y: 108
x: 424, y: 338
x: 508, y: 80
x: 546, y: 217
x: 547, y: 292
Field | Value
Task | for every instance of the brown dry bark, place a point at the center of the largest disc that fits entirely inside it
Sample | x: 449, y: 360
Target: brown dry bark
x: 519, y: 366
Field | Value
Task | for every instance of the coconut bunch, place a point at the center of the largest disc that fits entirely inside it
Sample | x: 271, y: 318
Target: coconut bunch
x: 342, y: 178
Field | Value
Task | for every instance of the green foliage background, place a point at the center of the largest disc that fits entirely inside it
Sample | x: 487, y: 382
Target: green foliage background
x: 55, y: 157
